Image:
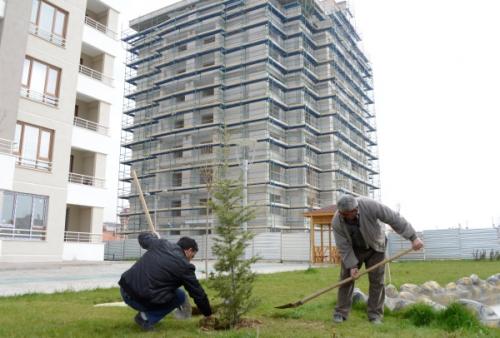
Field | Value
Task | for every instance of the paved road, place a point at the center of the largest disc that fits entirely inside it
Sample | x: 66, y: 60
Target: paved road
x: 22, y: 278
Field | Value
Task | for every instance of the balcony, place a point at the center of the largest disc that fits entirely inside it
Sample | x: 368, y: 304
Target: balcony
x: 40, y: 97
x: 86, y: 180
x: 31, y: 163
x: 82, y: 237
x: 100, y: 27
x: 9, y: 232
x: 96, y: 75
x: 56, y: 39
x: 90, y: 125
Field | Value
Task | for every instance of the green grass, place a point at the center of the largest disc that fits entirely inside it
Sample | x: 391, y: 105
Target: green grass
x: 71, y: 314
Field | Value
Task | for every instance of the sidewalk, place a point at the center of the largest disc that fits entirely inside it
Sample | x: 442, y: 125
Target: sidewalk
x: 23, y: 278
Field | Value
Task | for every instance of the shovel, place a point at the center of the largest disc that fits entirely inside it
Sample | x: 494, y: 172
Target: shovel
x: 342, y: 282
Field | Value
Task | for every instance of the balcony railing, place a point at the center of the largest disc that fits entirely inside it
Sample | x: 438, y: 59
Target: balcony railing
x: 86, y: 180
x: 96, y: 75
x: 82, y: 237
x: 100, y: 27
x: 9, y: 232
x: 6, y: 146
x: 90, y: 125
x: 32, y: 163
x: 41, y: 97
x: 56, y: 39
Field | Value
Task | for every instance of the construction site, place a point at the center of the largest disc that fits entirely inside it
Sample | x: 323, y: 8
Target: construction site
x: 284, y: 83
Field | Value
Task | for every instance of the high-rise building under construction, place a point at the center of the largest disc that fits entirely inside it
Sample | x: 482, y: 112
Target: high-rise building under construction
x: 285, y: 80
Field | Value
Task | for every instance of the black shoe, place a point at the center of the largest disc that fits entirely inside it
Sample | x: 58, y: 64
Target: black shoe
x: 144, y: 324
x: 338, y: 318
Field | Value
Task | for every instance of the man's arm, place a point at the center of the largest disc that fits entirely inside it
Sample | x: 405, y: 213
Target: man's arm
x: 195, y: 290
x: 399, y: 224
x: 147, y: 239
x: 346, y: 252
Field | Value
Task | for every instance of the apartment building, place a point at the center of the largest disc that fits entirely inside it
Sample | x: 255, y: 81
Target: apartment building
x: 288, y: 82
x: 60, y: 106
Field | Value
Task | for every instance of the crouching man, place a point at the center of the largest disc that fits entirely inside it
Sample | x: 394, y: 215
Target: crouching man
x: 152, y: 285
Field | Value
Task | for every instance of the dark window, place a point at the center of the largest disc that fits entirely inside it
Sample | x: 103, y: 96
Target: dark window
x: 207, y: 92
x: 208, y: 40
x: 177, y: 179
x: 177, y: 212
x: 207, y: 118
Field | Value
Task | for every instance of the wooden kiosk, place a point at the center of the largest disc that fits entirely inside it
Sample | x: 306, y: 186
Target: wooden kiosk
x: 322, y: 219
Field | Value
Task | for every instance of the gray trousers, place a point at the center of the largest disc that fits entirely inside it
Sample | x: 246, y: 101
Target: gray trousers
x: 376, y: 293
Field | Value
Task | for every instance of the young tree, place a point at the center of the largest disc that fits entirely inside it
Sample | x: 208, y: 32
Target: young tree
x: 233, y: 278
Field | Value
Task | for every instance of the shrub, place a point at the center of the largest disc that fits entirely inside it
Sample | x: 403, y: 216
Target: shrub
x: 420, y: 314
x: 457, y: 316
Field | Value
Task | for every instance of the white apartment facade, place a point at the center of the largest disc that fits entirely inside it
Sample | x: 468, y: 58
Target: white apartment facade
x: 60, y: 113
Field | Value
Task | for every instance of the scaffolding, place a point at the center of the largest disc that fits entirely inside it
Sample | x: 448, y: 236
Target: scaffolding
x: 288, y: 75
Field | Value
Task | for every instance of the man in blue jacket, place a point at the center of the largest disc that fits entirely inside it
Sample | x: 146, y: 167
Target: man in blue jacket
x: 152, y: 285
x: 360, y: 238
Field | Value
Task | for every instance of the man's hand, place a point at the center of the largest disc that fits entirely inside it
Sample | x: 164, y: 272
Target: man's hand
x: 417, y: 244
x: 354, y: 273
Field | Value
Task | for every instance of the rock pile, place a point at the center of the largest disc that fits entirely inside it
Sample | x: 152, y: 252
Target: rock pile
x: 473, y: 292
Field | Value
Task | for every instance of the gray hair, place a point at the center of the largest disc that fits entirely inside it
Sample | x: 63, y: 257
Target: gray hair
x: 347, y: 203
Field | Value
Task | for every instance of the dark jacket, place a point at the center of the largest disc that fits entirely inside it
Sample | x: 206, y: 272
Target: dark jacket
x: 153, y: 279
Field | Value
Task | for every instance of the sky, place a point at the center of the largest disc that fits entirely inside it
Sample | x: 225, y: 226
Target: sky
x: 436, y: 69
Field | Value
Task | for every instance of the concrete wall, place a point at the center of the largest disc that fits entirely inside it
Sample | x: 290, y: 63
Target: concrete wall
x: 13, y: 37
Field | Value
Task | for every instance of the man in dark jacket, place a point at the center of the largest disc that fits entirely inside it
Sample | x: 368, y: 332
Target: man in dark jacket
x: 151, y: 285
x: 360, y: 237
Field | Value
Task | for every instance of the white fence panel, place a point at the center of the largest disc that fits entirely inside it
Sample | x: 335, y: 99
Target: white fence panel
x: 478, y: 239
x: 266, y: 245
x: 442, y: 244
x: 296, y: 246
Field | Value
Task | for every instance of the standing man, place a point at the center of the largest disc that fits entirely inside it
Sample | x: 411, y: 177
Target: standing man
x: 360, y: 238
x: 151, y: 285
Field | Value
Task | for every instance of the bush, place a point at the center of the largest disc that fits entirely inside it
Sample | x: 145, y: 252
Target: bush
x: 457, y: 316
x: 420, y: 314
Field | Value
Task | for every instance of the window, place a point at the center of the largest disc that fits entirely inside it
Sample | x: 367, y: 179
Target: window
x: 276, y: 172
x: 179, y: 123
x: 275, y: 198
x: 207, y: 118
x: 208, y: 40
x: 204, y: 209
x: 177, y: 179
x: 206, y: 149
x: 23, y: 215
x: 40, y: 81
x: 176, y: 204
x: 33, y: 146
x: 207, y: 92
x: 206, y: 175
x: 182, y: 48
x: 180, y: 98
x: 177, y: 154
x: 48, y: 22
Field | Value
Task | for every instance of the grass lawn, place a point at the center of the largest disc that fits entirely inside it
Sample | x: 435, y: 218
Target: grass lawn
x: 73, y: 315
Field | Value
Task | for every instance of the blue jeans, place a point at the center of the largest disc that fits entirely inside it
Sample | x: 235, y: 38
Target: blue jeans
x: 155, y: 315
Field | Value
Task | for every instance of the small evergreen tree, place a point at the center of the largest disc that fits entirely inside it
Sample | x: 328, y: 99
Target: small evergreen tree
x: 233, y: 278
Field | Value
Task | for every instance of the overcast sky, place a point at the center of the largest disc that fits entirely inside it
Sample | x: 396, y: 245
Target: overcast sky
x: 437, y: 87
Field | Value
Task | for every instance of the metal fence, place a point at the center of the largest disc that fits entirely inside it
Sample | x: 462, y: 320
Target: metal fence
x: 295, y: 246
